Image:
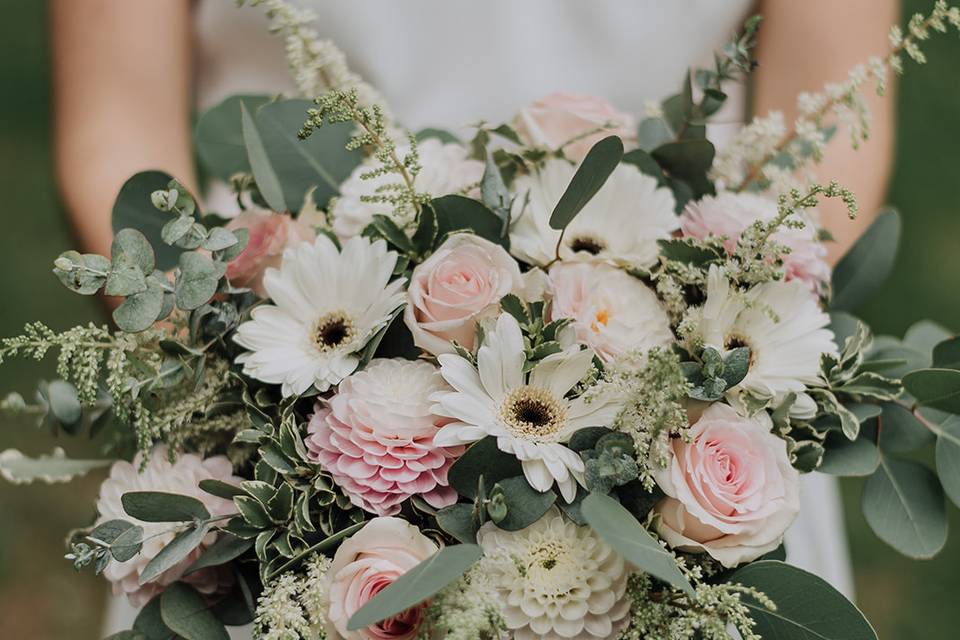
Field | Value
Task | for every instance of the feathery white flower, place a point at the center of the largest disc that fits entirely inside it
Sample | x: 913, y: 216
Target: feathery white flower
x: 327, y: 304
x: 620, y: 224
x: 446, y: 168
x: 782, y: 324
x: 556, y: 580
x: 529, y: 413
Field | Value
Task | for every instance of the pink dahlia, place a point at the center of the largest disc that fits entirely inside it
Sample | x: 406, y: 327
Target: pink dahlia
x: 375, y: 437
x: 728, y: 215
x: 183, y: 477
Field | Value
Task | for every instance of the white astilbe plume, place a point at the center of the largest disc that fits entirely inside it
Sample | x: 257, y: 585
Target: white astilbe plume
x: 317, y: 65
x: 293, y: 607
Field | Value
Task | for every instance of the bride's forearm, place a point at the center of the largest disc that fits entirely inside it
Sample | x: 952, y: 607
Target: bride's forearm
x: 804, y: 45
x: 121, y: 80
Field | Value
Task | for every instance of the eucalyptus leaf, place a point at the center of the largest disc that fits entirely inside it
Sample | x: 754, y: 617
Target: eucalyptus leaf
x: 186, y: 613
x: 482, y: 458
x: 417, y: 584
x: 226, y: 549
x: 946, y: 355
x: 844, y: 457
x: 459, y: 213
x: 64, y: 402
x: 197, y: 280
x: 139, y: 311
x: 17, y: 468
x: 134, y: 210
x: 866, y: 266
x: 219, y: 137
x: 618, y: 528
x: 925, y: 335
x: 81, y: 273
x: 525, y: 505
x: 807, y: 607
x: 128, y: 544
x: 150, y: 623
x: 125, y: 277
x: 901, y: 431
x: 904, y: 505
x: 948, y: 457
x: 159, y: 506
x: 936, y: 388
x: 590, y: 176
x: 268, y: 182
x: 179, y: 548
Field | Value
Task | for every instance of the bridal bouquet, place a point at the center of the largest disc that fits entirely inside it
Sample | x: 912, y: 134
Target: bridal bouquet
x: 557, y: 381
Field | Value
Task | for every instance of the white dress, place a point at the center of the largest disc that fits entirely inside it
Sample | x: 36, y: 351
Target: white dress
x: 447, y: 63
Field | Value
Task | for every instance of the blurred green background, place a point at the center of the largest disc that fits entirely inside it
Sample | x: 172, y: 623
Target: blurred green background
x: 42, y: 598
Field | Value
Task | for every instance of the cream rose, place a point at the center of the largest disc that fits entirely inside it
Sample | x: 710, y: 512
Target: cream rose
x: 269, y: 234
x: 613, y: 313
x: 560, y: 117
x: 371, y: 559
x: 731, y: 491
x: 460, y: 283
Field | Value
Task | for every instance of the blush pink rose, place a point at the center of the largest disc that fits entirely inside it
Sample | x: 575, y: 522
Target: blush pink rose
x: 367, y: 562
x: 731, y: 490
x: 560, y: 117
x: 375, y: 437
x: 269, y: 234
x: 728, y: 215
x: 462, y: 282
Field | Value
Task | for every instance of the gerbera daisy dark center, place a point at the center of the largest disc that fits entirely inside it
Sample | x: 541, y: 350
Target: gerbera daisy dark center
x: 333, y: 330
x: 589, y: 244
x: 531, y: 412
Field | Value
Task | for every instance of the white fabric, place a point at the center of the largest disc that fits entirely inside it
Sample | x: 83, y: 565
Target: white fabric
x: 447, y: 63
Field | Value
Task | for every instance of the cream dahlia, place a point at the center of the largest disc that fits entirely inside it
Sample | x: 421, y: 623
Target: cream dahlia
x: 529, y: 413
x: 556, y: 580
x: 375, y: 437
x: 181, y: 477
x: 620, y: 224
x: 612, y: 312
x: 728, y: 215
x: 781, y: 323
x: 445, y: 168
x: 327, y: 304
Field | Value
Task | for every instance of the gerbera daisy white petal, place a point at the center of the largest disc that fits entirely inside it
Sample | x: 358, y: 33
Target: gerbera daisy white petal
x: 620, y: 224
x: 327, y: 304
x: 529, y: 414
x: 556, y: 580
x: 781, y: 322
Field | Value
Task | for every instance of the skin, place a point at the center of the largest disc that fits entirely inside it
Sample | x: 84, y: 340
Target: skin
x: 122, y: 74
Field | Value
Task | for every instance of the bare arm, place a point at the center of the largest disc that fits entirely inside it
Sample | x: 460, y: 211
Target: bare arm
x: 804, y: 44
x: 121, y: 74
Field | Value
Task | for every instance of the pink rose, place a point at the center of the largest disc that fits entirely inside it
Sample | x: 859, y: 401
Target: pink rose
x: 458, y: 285
x: 367, y: 562
x: 731, y: 491
x: 269, y: 234
x: 728, y: 215
x: 560, y: 117
x: 375, y: 436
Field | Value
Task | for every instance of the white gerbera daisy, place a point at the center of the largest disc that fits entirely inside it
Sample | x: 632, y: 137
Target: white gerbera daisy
x: 529, y: 413
x: 327, y: 306
x: 781, y: 322
x: 556, y: 580
x: 621, y: 223
x: 445, y: 168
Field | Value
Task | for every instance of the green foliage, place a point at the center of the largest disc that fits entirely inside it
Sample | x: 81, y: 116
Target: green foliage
x: 482, y: 458
x: 935, y: 388
x: 903, y: 503
x: 157, y: 506
x: 590, y: 176
x: 458, y: 213
x: 514, y: 505
x: 610, y: 462
x: 186, y: 613
x: 218, y: 136
x: 417, y: 584
x: 133, y: 209
x: 715, y: 374
x: 866, y: 266
x: 807, y: 608
x: 618, y: 528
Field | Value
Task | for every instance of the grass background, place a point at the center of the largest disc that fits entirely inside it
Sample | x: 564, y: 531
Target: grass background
x: 42, y: 598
